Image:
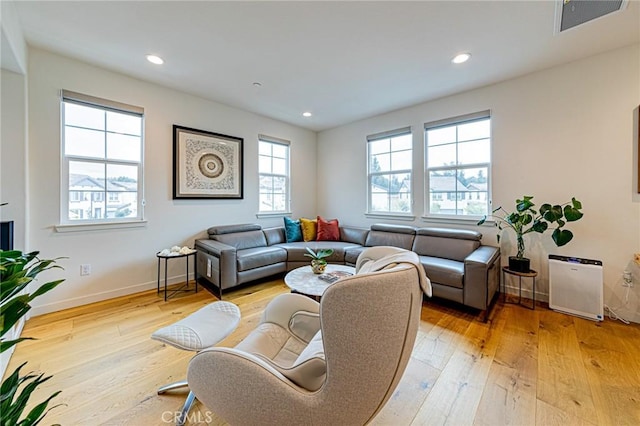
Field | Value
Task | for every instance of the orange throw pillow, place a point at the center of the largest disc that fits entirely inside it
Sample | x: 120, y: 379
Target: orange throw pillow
x: 328, y: 230
x: 309, y: 229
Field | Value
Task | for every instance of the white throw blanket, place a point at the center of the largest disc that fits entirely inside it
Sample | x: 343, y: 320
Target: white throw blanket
x: 392, y: 260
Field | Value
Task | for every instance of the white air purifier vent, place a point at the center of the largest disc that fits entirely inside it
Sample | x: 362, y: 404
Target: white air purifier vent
x: 571, y: 13
x: 576, y: 286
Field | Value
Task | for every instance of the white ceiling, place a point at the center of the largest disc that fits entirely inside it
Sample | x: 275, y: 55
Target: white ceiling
x: 342, y: 61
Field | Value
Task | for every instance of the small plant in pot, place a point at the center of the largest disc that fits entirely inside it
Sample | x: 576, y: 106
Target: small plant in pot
x: 318, y: 262
x: 526, y: 219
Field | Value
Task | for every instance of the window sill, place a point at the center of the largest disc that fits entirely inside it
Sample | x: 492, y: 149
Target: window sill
x: 81, y: 227
x: 272, y: 214
x: 392, y: 216
x: 456, y: 220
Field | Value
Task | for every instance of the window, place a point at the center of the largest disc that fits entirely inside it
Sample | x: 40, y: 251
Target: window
x: 390, y: 159
x: 102, y: 146
x: 458, y: 163
x: 273, y: 168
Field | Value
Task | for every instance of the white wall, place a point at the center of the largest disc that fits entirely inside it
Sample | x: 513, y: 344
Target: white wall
x: 123, y: 260
x: 563, y: 132
x: 13, y: 48
x: 13, y: 185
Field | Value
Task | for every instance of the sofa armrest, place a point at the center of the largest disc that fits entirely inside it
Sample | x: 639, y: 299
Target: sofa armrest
x: 481, y: 276
x: 226, y: 256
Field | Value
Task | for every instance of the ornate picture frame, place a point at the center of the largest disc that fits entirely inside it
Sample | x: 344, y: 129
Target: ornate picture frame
x: 206, y: 164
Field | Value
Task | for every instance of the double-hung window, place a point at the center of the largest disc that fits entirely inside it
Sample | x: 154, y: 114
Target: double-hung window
x: 102, y: 152
x: 389, y: 171
x: 273, y: 170
x: 458, y: 166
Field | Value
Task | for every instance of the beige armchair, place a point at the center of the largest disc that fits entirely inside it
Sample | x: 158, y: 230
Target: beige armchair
x: 336, y: 362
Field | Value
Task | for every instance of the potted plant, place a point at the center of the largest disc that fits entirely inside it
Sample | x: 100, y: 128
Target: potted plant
x: 526, y: 219
x: 17, y: 271
x: 318, y: 264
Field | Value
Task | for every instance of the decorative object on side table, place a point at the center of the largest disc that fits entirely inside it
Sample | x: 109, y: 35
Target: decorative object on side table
x: 318, y: 264
x: 526, y: 219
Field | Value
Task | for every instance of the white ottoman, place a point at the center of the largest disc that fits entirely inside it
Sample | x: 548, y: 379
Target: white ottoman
x: 200, y: 330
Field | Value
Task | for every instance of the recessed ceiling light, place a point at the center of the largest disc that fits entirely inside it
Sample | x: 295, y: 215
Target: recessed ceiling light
x: 155, y: 59
x: 257, y: 84
x: 463, y: 57
x: 306, y: 114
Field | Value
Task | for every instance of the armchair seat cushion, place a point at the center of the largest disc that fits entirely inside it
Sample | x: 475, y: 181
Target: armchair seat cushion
x: 274, y: 343
x: 260, y: 256
x: 444, y: 271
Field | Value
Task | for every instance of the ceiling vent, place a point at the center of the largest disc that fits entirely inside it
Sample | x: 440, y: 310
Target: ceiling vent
x: 571, y: 13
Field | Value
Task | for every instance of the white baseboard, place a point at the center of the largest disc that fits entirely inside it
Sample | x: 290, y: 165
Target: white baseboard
x: 98, y: 297
x: 544, y: 297
x: 527, y: 293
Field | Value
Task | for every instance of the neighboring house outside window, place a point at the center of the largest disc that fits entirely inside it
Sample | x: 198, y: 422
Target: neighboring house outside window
x: 389, y: 172
x: 458, y: 163
x: 102, y: 152
x: 273, y: 169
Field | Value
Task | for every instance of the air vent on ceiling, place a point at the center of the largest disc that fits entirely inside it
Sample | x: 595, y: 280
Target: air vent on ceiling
x: 571, y: 13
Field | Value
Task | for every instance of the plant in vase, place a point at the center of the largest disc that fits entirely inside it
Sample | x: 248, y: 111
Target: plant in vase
x: 318, y: 262
x: 17, y: 271
x: 526, y: 219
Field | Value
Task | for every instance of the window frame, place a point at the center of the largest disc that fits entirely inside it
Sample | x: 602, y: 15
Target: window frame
x: 458, y: 195
x: 287, y: 176
x: 403, y: 131
x: 68, y: 224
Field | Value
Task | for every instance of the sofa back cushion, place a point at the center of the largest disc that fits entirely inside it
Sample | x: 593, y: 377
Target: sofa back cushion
x: 455, y: 244
x: 391, y: 235
x: 275, y: 235
x: 349, y: 234
x: 239, y: 236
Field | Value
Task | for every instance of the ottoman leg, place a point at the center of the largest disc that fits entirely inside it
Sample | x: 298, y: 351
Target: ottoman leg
x: 185, y: 409
x: 172, y: 386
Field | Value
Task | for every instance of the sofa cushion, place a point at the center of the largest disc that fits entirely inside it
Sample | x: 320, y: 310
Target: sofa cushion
x: 296, y: 251
x: 260, y: 256
x: 391, y: 235
x: 274, y: 235
x: 309, y: 229
x: 231, y: 229
x: 349, y: 234
x: 454, y: 244
x: 328, y: 230
x: 292, y: 230
x: 443, y: 271
x: 351, y: 254
x: 242, y: 240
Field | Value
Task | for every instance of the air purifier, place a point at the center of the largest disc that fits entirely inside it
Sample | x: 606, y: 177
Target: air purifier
x: 576, y: 286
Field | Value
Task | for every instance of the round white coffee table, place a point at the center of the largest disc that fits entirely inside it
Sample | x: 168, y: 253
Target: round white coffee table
x: 303, y: 280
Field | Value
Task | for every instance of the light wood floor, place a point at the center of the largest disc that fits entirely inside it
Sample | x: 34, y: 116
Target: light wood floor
x: 523, y: 367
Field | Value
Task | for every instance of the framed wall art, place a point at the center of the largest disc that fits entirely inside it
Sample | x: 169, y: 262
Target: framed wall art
x: 206, y: 165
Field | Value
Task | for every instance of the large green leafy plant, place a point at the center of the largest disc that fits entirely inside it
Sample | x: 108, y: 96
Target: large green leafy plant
x: 17, y: 271
x: 525, y: 219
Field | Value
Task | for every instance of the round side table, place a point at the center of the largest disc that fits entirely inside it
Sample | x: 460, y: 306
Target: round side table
x: 184, y: 287
x: 531, y: 274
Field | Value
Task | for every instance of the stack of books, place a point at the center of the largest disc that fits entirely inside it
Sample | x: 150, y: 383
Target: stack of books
x: 334, y: 276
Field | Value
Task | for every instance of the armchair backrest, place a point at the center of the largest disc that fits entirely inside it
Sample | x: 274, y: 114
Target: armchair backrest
x: 368, y: 339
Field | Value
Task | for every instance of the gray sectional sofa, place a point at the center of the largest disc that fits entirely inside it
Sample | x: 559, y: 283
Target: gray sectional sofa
x: 460, y: 268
